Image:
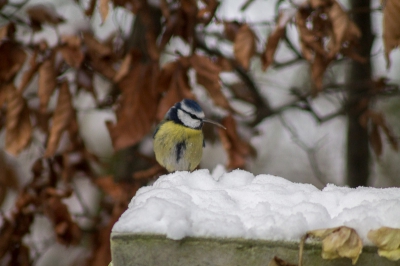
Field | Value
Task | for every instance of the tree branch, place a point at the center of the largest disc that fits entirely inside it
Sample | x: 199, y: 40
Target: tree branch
x: 310, y: 151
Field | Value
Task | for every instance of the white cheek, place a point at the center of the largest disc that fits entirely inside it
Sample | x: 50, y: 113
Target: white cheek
x: 187, y: 120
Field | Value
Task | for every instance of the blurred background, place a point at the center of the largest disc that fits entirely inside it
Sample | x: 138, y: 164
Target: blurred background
x: 307, y: 89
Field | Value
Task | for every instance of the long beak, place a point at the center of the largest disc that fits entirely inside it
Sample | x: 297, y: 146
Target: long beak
x: 214, y: 123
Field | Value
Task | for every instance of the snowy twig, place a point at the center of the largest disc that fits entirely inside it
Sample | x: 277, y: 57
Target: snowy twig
x: 310, y: 151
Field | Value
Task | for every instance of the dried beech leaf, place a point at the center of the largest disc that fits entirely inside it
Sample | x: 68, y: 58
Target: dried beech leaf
x: 244, y: 46
x: 318, y: 68
x: 7, y: 31
x: 28, y: 75
x: 96, y: 47
x: 67, y: 231
x: 47, y: 81
x: 104, y: 9
x: 174, y: 81
x: 379, y: 121
x: 339, y: 242
x: 124, y: 68
x: 388, y: 242
x: 71, y: 50
x: 375, y: 140
x: 224, y: 64
x: 137, y: 110
x: 235, y: 147
x: 206, y: 14
x: 342, y: 28
x: 8, y: 177
x: 391, y: 29
x: 39, y: 14
x: 12, y: 59
x: 62, y: 117
x: 231, y: 28
x: 91, y: 7
x: 267, y: 56
x: 279, y: 262
x: 207, y: 74
x: 18, y: 123
x: 110, y: 187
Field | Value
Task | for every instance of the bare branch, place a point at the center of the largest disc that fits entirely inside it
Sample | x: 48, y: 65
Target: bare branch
x: 310, y: 151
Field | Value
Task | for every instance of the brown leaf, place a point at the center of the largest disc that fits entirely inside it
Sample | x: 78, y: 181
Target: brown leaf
x: 67, y: 231
x: 95, y: 47
x: 47, y: 81
x: 244, y: 46
x: 224, y: 64
x: 375, y: 140
x: 339, y: 242
x: 174, y: 81
x: 379, y: 121
x: 12, y: 59
x: 6, y: 236
x: 18, y: 123
x: 388, y: 242
x: 62, y: 117
x: 267, y: 56
x: 39, y: 14
x: 110, y: 187
x: 137, y: 110
x: 391, y: 29
x: 279, y: 262
x: 318, y: 68
x: 8, y: 177
x: 231, y: 28
x: 206, y: 14
x: 311, y: 38
x: 28, y: 75
x: 124, y: 68
x: 207, y: 74
x: 7, y: 31
x: 104, y: 9
x: 71, y: 50
x: 235, y: 147
x: 342, y: 28
x: 20, y: 256
x: 91, y: 7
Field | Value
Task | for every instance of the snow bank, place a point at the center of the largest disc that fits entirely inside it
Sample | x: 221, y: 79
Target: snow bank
x: 237, y: 204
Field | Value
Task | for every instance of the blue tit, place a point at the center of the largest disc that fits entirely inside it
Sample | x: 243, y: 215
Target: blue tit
x: 178, y: 139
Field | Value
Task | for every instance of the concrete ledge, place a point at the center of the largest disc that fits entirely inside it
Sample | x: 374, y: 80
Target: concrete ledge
x: 157, y: 250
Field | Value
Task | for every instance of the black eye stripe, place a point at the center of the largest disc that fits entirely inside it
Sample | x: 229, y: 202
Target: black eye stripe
x: 191, y: 115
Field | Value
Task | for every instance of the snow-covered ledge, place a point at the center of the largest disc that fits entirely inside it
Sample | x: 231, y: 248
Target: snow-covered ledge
x: 237, y: 218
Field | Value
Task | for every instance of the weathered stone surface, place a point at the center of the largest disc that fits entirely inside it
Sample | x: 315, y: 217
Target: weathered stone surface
x: 157, y: 250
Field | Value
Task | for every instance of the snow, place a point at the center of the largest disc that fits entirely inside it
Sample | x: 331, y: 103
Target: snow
x: 240, y: 205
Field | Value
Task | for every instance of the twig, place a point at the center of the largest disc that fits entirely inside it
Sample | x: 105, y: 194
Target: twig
x: 246, y: 5
x: 311, y: 152
x: 262, y: 104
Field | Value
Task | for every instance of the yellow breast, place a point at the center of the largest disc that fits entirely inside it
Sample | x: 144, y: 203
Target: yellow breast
x: 178, y: 148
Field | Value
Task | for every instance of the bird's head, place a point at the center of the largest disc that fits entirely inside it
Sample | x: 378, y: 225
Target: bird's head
x: 187, y: 113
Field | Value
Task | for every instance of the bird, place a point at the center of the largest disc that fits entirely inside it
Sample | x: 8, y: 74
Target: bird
x: 178, y: 139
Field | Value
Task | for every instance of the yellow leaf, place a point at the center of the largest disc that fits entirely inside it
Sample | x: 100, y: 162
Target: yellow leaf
x: 391, y: 29
x: 339, y: 242
x: 388, y: 242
